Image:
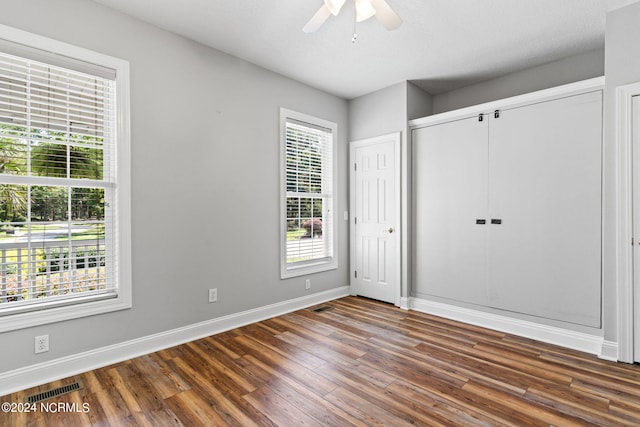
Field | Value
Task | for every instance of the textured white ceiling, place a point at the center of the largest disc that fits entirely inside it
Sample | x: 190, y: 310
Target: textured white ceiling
x: 445, y: 44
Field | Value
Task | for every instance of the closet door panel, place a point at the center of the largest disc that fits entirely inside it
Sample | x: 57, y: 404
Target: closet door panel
x: 449, y: 195
x: 545, y: 186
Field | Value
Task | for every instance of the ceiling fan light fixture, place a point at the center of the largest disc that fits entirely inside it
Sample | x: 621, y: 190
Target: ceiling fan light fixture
x: 334, y: 6
x: 364, y: 10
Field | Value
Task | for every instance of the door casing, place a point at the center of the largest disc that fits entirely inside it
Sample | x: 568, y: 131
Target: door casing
x: 626, y: 241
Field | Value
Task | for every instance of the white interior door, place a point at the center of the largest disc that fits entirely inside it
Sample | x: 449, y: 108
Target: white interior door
x: 450, y: 220
x: 375, y: 209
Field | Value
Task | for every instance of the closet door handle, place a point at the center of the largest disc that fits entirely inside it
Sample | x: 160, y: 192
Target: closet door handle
x: 481, y: 221
x: 496, y: 221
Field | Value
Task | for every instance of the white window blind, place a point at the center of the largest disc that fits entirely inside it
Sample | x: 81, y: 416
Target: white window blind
x: 309, y: 199
x: 57, y: 184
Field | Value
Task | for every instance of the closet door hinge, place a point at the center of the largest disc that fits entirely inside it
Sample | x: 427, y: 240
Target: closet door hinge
x: 496, y: 114
x: 355, y: 166
x: 355, y: 274
x: 480, y: 117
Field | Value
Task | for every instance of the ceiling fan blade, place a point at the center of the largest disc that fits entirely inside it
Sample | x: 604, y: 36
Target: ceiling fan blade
x: 317, y: 20
x: 387, y: 17
x: 334, y: 6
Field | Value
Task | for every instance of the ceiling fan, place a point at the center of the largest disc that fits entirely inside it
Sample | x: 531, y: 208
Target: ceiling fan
x: 364, y: 9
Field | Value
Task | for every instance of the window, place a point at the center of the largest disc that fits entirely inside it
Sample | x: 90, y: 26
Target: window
x: 308, y: 188
x: 64, y: 233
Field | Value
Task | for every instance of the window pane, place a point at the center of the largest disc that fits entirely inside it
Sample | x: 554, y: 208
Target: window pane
x: 304, y: 159
x: 13, y: 150
x: 87, y: 203
x: 304, y: 229
x: 13, y: 203
x: 49, y: 159
x: 49, y: 204
x: 86, y: 163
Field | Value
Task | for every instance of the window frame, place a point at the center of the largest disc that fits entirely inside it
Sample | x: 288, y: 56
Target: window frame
x: 51, y: 312
x: 288, y: 270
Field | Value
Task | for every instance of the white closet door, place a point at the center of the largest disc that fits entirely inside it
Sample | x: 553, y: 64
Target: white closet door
x: 545, y: 186
x: 450, y: 194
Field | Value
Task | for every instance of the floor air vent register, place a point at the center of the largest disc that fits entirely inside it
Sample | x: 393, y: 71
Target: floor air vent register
x: 50, y: 394
x: 321, y: 309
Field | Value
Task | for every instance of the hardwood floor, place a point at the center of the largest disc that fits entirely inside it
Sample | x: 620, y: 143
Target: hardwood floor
x: 360, y: 363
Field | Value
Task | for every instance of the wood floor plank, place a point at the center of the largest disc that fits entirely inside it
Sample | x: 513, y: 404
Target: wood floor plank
x: 281, y: 347
x: 382, y: 397
x: 309, y: 321
x: 530, y: 367
x: 609, y: 391
x: 193, y: 409
x: 408, y: 370
x: 199, y: 364
x: 287, y: 367
x: 587, y: 410
x: 322, y: 351
x: 279, y: 410
x: 312, y: 404
x: 330, y: 343
x: 222, y: 366
x: 520, y: 406
x: 359, y: 363
x: 362, y: 409
x: 230, y: 407
x: 468, y: 367
x: 459, y: 410
x: 167, y: 383
x: 112, y: 406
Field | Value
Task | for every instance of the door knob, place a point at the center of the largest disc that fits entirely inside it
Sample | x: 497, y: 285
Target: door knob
x: 390, y: 230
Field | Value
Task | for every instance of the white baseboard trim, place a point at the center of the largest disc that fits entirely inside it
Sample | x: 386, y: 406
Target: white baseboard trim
x: 42, y: 373
x: 566, y: 338
x: 609, y: 351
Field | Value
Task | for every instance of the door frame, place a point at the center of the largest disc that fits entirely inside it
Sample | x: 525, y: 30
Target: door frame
x: 624, y: 211
x: 397, y: 259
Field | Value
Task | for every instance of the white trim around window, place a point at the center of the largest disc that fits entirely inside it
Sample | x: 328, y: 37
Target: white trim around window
x: 308, y: 188
x: 114, y: 179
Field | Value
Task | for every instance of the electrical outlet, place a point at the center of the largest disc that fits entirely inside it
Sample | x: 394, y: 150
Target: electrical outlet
x: 307, y: 284
x: 213, y: 295
x: 42, y: 344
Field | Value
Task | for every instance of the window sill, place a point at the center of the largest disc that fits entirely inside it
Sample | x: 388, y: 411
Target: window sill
x: 302, y: 270
x: 12, y: 322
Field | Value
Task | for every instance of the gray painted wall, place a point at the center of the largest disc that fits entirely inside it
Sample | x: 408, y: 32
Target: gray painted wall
x: 378, y: 113
x: 556, y: 73
x: 205, y: 179
x: 419, y: 102
x: 387, y: 110
x: 622, y: 66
